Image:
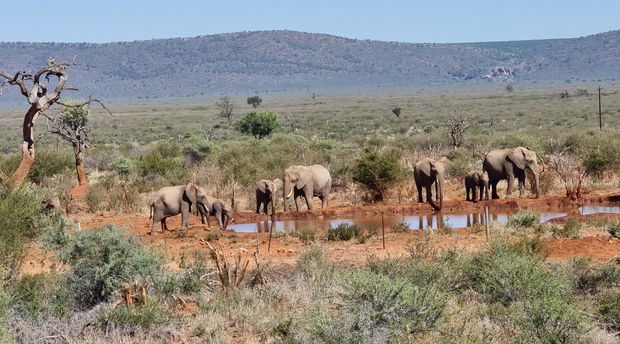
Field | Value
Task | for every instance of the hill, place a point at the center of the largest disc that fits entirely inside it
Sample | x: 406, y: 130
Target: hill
x: 289, y: 61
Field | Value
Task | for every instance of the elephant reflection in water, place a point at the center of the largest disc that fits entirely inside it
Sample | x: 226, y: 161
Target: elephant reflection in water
x: 430, y: 221
x: 475, y: 219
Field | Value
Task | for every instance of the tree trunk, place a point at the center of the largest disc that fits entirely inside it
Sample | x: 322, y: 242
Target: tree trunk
x: 19, y: 177
x: 79, y: 165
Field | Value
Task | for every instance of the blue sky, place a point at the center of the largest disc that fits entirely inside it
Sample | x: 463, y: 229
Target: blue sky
x: 393, y: 20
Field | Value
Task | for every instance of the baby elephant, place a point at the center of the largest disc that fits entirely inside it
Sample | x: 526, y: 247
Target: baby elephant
x: 218, y: 208
x: 474, y: 181
x: 265, y: 191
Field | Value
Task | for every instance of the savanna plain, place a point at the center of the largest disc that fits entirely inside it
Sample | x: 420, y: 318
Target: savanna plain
x: 91, y: 271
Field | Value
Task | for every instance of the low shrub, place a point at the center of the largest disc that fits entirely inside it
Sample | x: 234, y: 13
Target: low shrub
x: 102, y: 260
x: 378, y: 171
x: 144, y: 316
x: 215, y: 234
x: 401, y: 227
x: 614, y: 229
x: 551, y: 320
x: 343, y: 231
x: 570, y: 229
x: 523, y: 219
x: 44, y: 294
x: 609, y: 310
x: 305, y: 235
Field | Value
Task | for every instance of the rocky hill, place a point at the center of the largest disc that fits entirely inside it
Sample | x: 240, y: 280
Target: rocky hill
x: 289, y: 61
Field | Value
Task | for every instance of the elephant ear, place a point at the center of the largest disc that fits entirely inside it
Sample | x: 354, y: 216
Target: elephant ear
x: 476, y: 177
x: 305, y: 177
x: 190, y: 192
x: 517, y: 156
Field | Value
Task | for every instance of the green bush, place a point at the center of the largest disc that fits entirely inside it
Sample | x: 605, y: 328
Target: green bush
x: 44, y: 294
x: 6, y: 299
x: 377, y: 309
x: 145, y: 316
x: 258, y: 124
x: 570, y: 229
x: 609, y: 310
x: 96, y: 197
x: 379, y: 171
x: 461, y: 162
x: 20, y: 222
x: 523, y: 219
x: 305, y: 235
x: 164, y: 159
x: 614, y: 229
x: 215, y: 234
x: 343, y: 231
x: 102, y: 260
x: 551, y: 320
x: 48, y: 162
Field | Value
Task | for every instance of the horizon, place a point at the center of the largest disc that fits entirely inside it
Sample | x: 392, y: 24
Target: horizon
x: 418, y: 21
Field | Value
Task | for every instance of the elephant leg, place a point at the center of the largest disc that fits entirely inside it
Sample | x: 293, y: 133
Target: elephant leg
x: 324, y: 201
x: 219, y: 216
x: 420, y: 200
x: 437, y: 191
x: 467, y: 191
x: 154, y: 225
x: 494, y: 189
x: 258, y: 203
x: 296, y: 198
x: 429, y: 196
x: 266, y: 207
x: 474, y: 194
x: 164, y: 226
x: 511, y: 181
x: 308, y: 196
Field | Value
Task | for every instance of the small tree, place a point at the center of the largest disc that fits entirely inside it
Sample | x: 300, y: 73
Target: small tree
x: 510, y: 87
x: 396, y: 111
x: 258, y: 124
x: 225, y: 106
x: 71, y: 127
x: 379, y: 171
x: 457, y: 125
x: 255, y: 101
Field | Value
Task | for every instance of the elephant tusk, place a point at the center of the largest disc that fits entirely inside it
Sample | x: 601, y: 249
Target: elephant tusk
x: 289, y: 194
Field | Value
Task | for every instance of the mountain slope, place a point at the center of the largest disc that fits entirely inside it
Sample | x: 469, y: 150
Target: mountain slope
x: 295, y: 61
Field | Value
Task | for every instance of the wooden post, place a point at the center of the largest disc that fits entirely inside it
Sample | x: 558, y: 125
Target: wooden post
x: 486, y: 221
x: 257, y: 240
x: 600, y: 113
x: 273, y: 223
x: 383, y: 230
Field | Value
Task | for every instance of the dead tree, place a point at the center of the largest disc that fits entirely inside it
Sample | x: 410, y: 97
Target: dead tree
x: 225, y: 106
x: 571, y: 172
x: 291, y: 123
x: 457, y: 125
x: 71, y: 127
x: 41, y: 93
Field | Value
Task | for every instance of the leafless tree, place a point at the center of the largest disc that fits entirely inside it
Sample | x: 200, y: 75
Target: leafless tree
x: 291, y: 123
x: 41, y: 93
x: 571, y: 172
x: 492, y: 122
x: 457, y: 125
x: 211, y: 133
x: 225, y: 106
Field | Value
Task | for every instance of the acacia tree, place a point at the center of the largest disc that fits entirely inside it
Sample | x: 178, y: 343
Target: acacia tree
x: 41, y: 93
x: 225, y: 105
x: 71, y: 127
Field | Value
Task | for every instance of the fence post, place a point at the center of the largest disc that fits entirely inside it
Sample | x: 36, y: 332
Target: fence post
x: 486, y: 221
x: 383, y: 229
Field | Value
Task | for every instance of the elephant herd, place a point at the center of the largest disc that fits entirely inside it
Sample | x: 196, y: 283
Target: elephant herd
x: 299, y: 181
x: 315, y: 180
x: 499, y: 164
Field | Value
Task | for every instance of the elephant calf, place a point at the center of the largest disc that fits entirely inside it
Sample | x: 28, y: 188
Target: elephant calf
x: 218, y: 208
x: 474, y: 181
x: 265, y: 192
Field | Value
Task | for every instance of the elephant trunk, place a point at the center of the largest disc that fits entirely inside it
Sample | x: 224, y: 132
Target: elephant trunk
x: 440, y: 192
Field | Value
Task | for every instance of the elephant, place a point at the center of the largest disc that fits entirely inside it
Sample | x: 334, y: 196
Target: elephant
x: 218, y: 208
x: 174, y: 200
x: 475, y: 180
x: 508, y: 164
x: 265, y: 194
x: 426, y: 172
x: 306, y: 181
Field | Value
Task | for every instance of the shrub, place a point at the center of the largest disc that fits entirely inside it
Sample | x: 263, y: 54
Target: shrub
x: 377, y: 309
x: 343, y: 231
x: 305, y: 235
x: 523, y: 219
x: 551, y: 320
x: 44, y: 294
x: 614, y: 229
x: 6, y: 299
x: 379, y: 171
x: 314, y: 265
x: 401, y: 227
x: 258, y: 124
x: 254, y: 101
x: 102, y: 260
x: 164, y: 159
x: 570, y: 229
x: 609, y: 310
x: 215, y: 234
x: 95, y: 198
x: 145, y: 316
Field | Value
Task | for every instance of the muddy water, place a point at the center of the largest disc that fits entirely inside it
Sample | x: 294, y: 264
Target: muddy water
x: 417, y: 221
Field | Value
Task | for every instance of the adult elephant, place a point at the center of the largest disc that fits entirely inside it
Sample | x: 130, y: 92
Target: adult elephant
x: 306, y: 181
x: 218, y: 208
x: 509, y: 164
x: 265, y: 194
x: 175, y: 200
x: 427, y: 172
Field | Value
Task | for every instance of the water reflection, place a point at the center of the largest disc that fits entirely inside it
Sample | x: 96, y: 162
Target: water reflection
x: 416, y: 221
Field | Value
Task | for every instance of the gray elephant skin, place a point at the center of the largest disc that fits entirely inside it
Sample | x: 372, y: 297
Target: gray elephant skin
x: 509, y: 164
x: 427, y: 172
x: 218, y: 208
x: 175, y: 200
x: 266, y: 191
x: 307, y: 182
x: 476, y: 181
